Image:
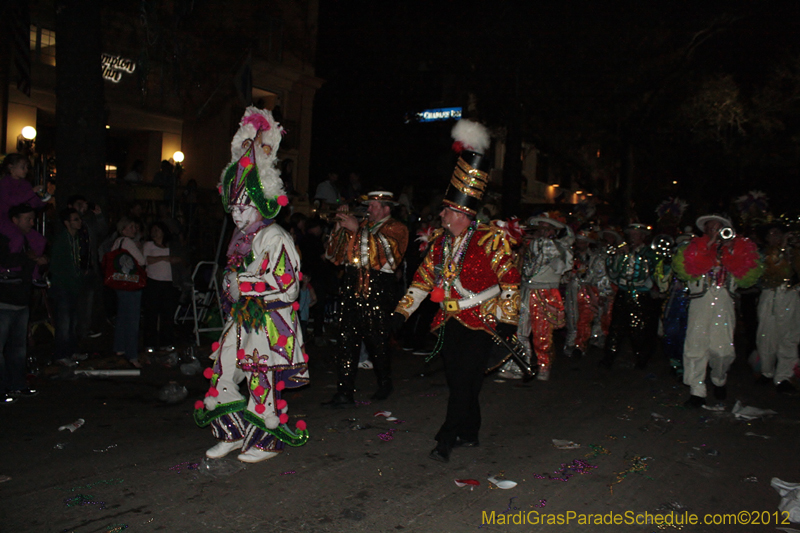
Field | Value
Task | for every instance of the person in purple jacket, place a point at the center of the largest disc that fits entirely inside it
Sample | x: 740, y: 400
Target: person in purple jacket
x: 16, y: 190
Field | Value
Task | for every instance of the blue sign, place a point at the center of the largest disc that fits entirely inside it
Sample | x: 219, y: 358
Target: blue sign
x: 445, y: 113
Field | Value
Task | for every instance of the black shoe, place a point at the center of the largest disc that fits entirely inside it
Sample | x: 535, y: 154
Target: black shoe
x: 694, y: 402
x: 440, y: 454
x: 763, y: 380
x: 340, y: 401
x: 786, y: 387
x: 576, y: 353
x: 720, y: 393
x: 463, y: 443
x: 383, y: 391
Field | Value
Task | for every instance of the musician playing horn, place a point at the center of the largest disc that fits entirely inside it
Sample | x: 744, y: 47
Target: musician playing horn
x: 371, y: 252
x: 713, y: 269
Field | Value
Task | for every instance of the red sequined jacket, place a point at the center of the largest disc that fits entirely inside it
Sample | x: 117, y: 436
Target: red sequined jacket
x: 486, y: 288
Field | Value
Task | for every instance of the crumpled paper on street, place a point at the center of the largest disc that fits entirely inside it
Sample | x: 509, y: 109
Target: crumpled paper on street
x: 743, y: 412
x: 790, y: 498
x: 565, y: 444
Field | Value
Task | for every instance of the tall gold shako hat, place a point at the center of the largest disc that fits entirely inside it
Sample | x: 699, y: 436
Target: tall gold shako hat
x: 469, y: 180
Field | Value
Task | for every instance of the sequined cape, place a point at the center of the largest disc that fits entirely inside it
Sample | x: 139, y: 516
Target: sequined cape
x: 488, y: 261
x: 379, y: 246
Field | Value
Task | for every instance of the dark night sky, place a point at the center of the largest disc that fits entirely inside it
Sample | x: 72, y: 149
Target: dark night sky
x: 577, y: 63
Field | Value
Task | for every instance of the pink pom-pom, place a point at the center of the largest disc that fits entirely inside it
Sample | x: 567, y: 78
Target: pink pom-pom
x: 300, y: 276
x: 199, y: 404
x: 280, y: 385
x: 213, y: 392
x: 246, y: 286
x: 305, y: 357
x: 286, y: 278
x: 240, y: 354
x: 295, y: 305
x: 214, y: 346
x: 281, y: 404
x: 208, y: 373
x: 261, y: 286
x: 282, y: 340
x: 301, y: 425
x: 260, y: 408
x: 259, y: 390
x: 245, y: 162
x: 283, y: 418
x: 207, y: 394
x: 283, y: 200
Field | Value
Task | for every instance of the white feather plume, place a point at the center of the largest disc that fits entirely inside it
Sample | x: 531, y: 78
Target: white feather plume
x: 472, y: 135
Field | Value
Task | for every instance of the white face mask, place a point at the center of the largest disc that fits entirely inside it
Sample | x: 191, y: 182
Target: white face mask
x: 244, y: 216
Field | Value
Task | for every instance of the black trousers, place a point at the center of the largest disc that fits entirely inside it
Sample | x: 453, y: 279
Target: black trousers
x: 365, y: 319
x: 159, y: 301
x: 635, y: 314
x: 465, y: 353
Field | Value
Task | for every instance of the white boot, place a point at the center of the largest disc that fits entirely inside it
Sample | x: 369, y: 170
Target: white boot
x: 254, y: 455
x: 222, y: 448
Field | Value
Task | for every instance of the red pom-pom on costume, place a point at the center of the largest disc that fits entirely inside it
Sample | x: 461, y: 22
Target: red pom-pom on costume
x: 246, y: 286
x: 213, y: 392
x: 283, y: 200
x: 286, y: 278
x: 283, y: 418
x: 437, y: 295
x: 282, y: 340
x: 245, y: 162
x: 240, y: 354
x: 301, y: 425
x: 259, y: 390
x: 742, y: 258
x: 281, y: 404
x: 214, y: 346
x: 295, y: 305
x: 260, y: 286
x: 698, y: 257
x: 208, y: 373
x: 199, y: 404
x: 260, y: 408
x: 280, y: 385
x: 300, y: 276
x: 305, y: 357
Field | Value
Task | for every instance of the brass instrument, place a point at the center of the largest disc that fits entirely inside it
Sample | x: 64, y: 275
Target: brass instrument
x: 331, y: 215
x: 727, y: 233
x: 663, y: 245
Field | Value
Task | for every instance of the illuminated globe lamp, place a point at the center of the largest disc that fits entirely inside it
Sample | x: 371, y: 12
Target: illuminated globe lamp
x: 25, y: 140
x: 29, y: 133
x: 178, y: 157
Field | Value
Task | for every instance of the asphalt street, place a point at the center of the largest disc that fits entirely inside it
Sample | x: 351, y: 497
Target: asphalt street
x: 137, y: 463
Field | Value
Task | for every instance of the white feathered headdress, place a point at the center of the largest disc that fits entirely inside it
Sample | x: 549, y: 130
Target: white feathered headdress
x: 252, y: 177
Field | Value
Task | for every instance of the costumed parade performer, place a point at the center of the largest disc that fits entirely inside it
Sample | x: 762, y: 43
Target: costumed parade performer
x: 779, y: 308
x: 675, y: 310
x: 261, y: 343
x: 713, y: 265
x: 371, y: 252
x: 547, y: 257
x: 588, y: 287
x: 635, y: 312
x: 470, y: 272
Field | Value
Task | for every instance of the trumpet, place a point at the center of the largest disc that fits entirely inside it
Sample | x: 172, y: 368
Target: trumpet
x: 331, y: 216
x: 727, y: 233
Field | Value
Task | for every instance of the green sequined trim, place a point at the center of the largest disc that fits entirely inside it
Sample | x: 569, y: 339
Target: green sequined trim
x: 203, y: 418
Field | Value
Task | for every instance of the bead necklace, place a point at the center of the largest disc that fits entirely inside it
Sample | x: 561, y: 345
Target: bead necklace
x: 452, y: 257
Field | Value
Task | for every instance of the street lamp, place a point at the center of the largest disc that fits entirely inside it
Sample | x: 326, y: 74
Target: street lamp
x: 176, y: 176
x: 29, y: 133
